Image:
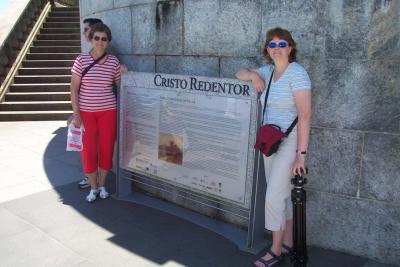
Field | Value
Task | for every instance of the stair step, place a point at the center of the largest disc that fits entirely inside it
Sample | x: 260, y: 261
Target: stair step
x: 51, y: 56
x: 57, y: 13
x: 35, y: 105
x: 47, y: 63
x: 41, y: 90
x: 42, y: 79
x: 61, y: 25
x: 71, y: 8
x: 38, y: 96
x: 63, y: 36
x: 54, y: 115
x: 57, y: 43
x: 44, y: 71
x: 59, y: 30
x: 40, y: 87
x: 63, y: 19
x: 55, y: 49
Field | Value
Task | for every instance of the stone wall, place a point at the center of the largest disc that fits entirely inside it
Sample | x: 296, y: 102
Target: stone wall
x: 350, y: 49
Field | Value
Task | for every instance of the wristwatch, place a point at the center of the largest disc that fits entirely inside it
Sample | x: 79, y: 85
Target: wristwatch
x: 301, y: 152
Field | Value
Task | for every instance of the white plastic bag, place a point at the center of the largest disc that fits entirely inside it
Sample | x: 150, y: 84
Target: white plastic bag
x: 74, y: 138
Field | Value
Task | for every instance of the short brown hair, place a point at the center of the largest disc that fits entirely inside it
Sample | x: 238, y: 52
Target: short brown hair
x: 284, y: 35
x: 100, y: 27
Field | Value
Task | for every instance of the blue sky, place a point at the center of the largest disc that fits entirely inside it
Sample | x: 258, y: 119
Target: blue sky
x: 3, y: 5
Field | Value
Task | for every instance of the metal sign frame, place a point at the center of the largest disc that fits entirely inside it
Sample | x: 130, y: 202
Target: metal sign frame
x: 251, y: 238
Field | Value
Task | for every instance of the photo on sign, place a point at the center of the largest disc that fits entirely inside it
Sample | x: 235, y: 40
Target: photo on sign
x: 170, y: 148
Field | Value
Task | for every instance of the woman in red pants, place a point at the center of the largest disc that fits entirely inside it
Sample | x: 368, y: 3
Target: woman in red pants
x: 94, y: 105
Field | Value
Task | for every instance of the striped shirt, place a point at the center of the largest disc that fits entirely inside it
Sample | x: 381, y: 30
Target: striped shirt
x: 281, y: 109
x: 96, y: 86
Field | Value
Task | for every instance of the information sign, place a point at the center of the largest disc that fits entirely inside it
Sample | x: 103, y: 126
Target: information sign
x: 190, y: 131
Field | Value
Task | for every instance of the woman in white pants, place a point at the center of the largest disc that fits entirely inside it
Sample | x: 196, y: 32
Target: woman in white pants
x: 289, y: 96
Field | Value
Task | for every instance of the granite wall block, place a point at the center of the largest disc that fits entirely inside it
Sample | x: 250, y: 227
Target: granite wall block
x: 363, y: 29
x: 158, y: 28
x: 143, y: 25
x: 124, y: 3
x: 347, y: 29
x: 316, y: 69
x: 231, y: 65
x: 188, y: 65
x: 119, y: 21
x: 139, y: 63
x: 363, y: 227
x: 222, y: 27
x: 381, y: 167
x: 384, y: 31
x: 305, y: 20
x: 93, y: 6
x: 85, y: 8
x: 359, y: 95
x: 334, y: 161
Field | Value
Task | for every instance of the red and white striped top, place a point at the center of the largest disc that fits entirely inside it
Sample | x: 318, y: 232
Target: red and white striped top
x: 96, y: 86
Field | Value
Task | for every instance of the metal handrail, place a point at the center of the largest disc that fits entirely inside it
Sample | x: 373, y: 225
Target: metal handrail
x: 25, y: 48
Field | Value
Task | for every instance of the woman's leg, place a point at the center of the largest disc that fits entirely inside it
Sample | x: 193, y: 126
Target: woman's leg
x: 107, y: 134
x: 288, y: 235
x: 92, y: 179
x: 102, y: 177
x: 277, y: 238
x: 89, y: 152
x: 277, y: 210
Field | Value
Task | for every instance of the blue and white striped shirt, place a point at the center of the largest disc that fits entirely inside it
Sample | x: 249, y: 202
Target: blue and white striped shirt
x: 281, y: 108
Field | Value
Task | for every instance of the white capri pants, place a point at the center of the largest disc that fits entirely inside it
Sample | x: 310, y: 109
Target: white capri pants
x: 278, y: 204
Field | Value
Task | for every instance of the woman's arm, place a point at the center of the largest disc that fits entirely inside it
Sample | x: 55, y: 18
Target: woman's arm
x: 75, y: 83
x: 118, y: 83
x: 246, y: 74
x: 303, y: 105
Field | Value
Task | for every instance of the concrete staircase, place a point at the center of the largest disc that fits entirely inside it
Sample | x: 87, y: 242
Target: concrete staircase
x: 40, y: 90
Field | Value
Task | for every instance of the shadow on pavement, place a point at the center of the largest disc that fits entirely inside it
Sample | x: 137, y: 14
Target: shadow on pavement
x: 149, y: 234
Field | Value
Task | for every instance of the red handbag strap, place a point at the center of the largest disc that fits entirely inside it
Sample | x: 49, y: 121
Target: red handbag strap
x: 89, y: 67
x: 290, y: 129
x: 266, y: 97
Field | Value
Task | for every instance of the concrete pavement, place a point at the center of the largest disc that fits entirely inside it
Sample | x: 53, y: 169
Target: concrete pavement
x: 45, y: 220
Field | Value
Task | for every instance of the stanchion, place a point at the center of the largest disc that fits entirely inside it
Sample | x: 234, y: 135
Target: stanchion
x: 299, y: 256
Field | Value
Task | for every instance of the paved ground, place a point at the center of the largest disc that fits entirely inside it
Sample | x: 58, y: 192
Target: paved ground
x: 45, y: 221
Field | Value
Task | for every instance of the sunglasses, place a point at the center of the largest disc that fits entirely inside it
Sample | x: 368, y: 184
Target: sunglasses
x: 280, y: 44
x: 97, y: 38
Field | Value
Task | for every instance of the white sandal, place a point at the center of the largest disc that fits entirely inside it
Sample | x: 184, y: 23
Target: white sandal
x: 103, y: 193
x: 92, y: 195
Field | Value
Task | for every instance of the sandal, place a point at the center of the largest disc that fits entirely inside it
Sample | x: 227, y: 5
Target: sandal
x: 274, y: 261
x: 289, y: 250
x: 103, y: 193
x: 92, y: 195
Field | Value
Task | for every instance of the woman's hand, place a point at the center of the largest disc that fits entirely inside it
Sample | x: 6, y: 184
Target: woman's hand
x: 246, y: 74
x: 76, y: 120
x: 258, y: 83
x: 124, y: 68
x: 298, y: 165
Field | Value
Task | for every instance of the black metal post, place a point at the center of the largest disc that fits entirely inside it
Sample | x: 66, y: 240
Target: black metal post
x: 299, y: 256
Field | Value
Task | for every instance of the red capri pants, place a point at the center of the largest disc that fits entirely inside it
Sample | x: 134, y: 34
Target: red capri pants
x: 98, y: 139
